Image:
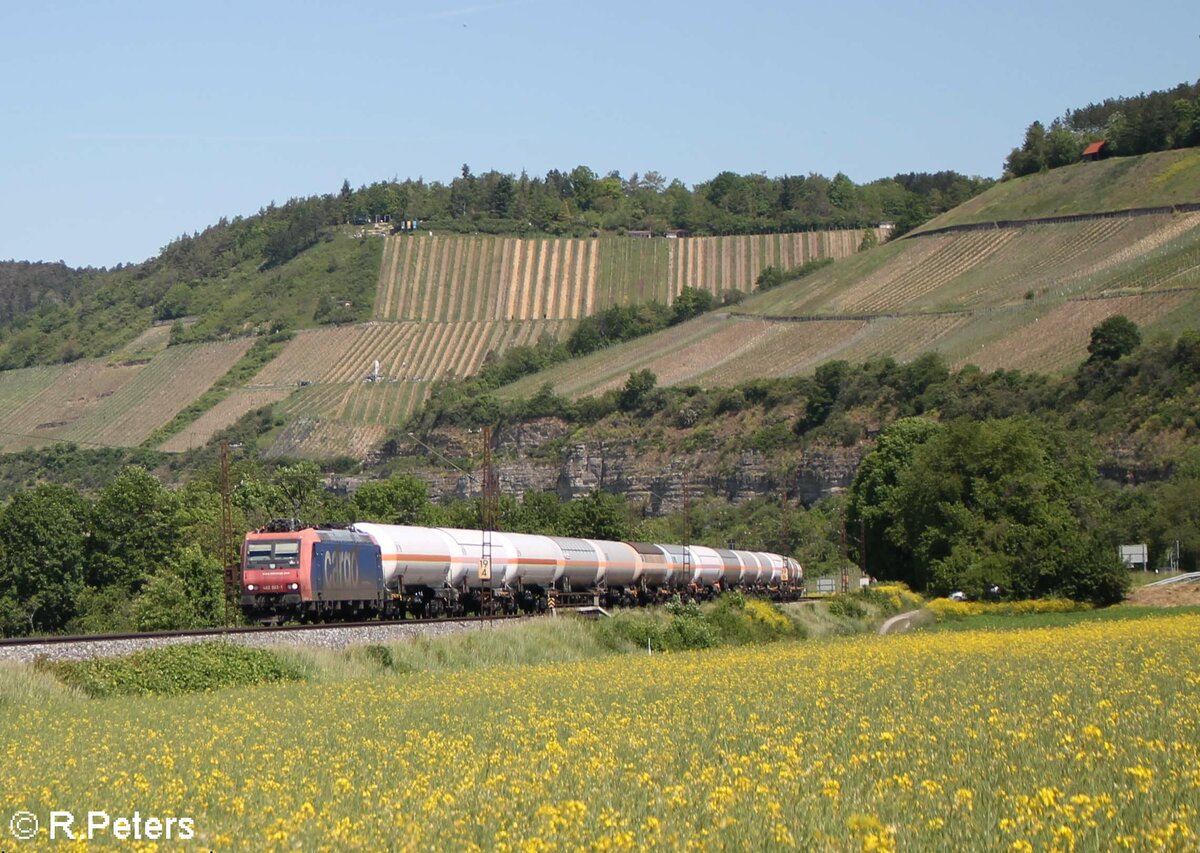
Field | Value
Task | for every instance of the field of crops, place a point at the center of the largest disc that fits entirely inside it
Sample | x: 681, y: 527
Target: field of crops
x: 442, y: 278
x: 610, y: 366
x: 306, y: 437
x: 164, y: 387
x: 1020, y: 297
x: 1060, y: 337
x: 740, y: 347
x: 73, y: 392
x: 18, y: 387
x: 407, y: 352
x: 1076, y: 738
x: 1118, y: 183
x: 734, y: 263
x: 979, y: 269
x: 334, y: 363
x: 386, y: 403
x: 149, y: 343
x: 222, y: 415
x: 115, y: 403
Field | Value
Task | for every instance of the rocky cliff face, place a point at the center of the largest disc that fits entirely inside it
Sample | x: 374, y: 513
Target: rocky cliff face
x: 545, y: 455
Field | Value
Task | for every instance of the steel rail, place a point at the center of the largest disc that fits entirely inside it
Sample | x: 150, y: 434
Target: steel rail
x: 58, y: 639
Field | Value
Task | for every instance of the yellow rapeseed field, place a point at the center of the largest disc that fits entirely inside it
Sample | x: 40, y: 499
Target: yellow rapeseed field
x: 1079, y: 738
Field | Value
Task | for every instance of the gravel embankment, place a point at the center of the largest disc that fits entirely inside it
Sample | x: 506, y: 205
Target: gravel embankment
x: 332, y: 637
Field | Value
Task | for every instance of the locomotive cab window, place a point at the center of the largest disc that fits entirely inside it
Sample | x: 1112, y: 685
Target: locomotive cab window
x: 285, y: 553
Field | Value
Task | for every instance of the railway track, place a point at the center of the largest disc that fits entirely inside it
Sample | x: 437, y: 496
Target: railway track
x: 328, y: 635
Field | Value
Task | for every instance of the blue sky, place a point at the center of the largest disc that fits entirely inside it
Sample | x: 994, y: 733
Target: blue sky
x: 126, y: 124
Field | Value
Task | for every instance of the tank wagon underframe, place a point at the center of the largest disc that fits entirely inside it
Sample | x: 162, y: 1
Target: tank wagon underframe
x: 395, y: 570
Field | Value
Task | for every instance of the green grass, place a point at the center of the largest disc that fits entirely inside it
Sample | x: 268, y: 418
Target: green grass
x: 1149, y: 180
x: 1010, y: 622
x: 119, y: 305
x: 344, y: 268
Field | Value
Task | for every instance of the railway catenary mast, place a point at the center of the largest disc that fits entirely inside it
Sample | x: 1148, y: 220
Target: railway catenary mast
x: 394, y: 570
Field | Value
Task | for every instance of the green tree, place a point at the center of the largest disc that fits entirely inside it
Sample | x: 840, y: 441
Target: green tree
x: 1063, y: 146
x: 823, y: 392
x: 175, y: 303
x: 136, y: 530
x: 346, y: 201
x: 42, y: 557
x: 995, y: 502
x: 186, y: 593
x: 1115, y: 337
x: 301, y: 488
x: 691, y: 302
x: 1177, y: 515
x: 400, y: 499
x: 257, y: 499
x: 637, y: 386
x: 597, y: 515
x: 770, y: 277
x: 538, y: 512
x: 1031, y: 156
x: 871, y: 502
x: 500, y: 201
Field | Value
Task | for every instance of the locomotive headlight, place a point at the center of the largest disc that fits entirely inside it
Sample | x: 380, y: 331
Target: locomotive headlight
x: 293, y: 586
x: 251, y: 587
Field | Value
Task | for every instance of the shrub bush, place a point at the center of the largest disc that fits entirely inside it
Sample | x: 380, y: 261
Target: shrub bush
x: 846, y: 605
x: 174, y: 670
x: 945, y: 608
x: 891, y: 597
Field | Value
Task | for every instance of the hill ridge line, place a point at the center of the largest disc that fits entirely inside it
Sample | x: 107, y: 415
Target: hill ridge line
x: 1129, y: 212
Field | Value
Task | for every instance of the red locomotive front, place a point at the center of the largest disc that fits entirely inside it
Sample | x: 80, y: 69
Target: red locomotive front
x: 275, y: 569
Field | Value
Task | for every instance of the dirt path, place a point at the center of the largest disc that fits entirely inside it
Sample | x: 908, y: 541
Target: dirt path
x: 1182, y: 594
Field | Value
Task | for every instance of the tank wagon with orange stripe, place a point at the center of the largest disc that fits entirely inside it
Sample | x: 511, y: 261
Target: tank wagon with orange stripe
x: 390, y: 570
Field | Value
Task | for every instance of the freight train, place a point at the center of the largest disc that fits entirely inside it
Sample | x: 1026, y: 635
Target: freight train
x: 371, y: 570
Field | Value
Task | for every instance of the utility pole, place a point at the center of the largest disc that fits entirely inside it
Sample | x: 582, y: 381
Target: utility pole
x: 785, y: 531
x: 489, y: 514
x: 862, y: 544
x: 233, y: 579
x: 687, y: 531
x: 845, y: 570
x: 785, y: 521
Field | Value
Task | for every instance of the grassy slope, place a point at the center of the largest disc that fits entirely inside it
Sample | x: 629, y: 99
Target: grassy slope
x: 115, y: 308
x: 342, y: 267
x: 1149, y: 180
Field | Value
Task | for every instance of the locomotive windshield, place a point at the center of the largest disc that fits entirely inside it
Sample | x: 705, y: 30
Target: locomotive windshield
x: 279, y: 553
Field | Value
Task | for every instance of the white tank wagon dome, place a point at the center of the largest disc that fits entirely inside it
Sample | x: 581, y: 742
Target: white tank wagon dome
x: 772, y: 567
x: 707, y: 565
x: 416, y: 556
x: 656, y: 566
x: 585, y: 562
x: 753, y: 569
x: 621, y: 563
